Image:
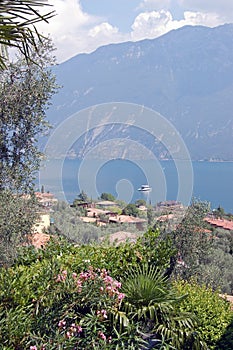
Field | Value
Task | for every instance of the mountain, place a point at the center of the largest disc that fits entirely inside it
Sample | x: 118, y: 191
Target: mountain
x: 186, y: 75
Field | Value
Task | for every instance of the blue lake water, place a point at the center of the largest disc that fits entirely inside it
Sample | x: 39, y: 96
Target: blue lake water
x: 169, y: 180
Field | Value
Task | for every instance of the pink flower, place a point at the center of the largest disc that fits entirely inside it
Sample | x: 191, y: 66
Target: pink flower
x: 61, y: 324
x: 117, y: 284
x: 103, y: 273
x: 68, y: 335
x: 79, y: 329
x: 121, y: 296
x: 61, y: 277
x: 108, y: 280
x: 102, y: 314
x: 79, y: 285
x: 33, y: 347
x: 102, y: 335
x: 74, y: 275
x: 83, y: 276
x: 75, y: 329
x: 109, y: 340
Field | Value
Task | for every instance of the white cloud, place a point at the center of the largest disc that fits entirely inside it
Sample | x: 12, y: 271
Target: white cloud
x: 74, y: 31
x: 155, y: 23
x: 201, y: 18
x: 222, y: 9
x: 103, y: 34
x: 69, y: 28
x: 151, y: 24
x: 104, y: 30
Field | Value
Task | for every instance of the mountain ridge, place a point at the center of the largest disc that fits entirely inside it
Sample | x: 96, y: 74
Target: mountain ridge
x: 186, y: 75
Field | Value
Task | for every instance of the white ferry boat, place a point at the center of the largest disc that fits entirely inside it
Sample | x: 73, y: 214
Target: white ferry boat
x: 144, y: 188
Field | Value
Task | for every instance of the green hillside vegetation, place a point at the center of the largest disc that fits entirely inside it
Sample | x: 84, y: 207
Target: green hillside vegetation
x: 79, y: 291
x: 66, y: 297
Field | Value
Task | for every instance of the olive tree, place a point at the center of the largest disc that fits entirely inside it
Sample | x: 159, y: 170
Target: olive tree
x: 192, y: 239
x: 26, y: 89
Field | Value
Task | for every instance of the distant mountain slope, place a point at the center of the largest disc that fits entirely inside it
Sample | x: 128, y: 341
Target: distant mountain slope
x: 186, y: 75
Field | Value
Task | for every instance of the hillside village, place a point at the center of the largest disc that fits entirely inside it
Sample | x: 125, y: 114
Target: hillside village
x: 109, y: 213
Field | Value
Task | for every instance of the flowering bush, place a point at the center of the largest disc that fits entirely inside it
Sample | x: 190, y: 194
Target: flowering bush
x: 81, y: 310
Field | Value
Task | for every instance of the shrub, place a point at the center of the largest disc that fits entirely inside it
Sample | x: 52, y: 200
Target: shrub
x: 213, y: 313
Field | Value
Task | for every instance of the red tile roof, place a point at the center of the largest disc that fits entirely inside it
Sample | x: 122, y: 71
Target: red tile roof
x: 221, y: 223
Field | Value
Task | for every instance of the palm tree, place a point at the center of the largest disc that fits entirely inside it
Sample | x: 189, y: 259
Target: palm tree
x: 151, y: 302
x: 17, y: 25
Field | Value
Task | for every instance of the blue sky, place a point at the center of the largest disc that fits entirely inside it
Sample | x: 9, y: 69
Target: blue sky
x: 84, y: 25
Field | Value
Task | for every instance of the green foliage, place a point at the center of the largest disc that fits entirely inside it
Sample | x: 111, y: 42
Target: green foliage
x: 219, y: 212
x: 191, y: 239
x: 150, y: 216
x: 131, y: 210
x: 17, y: 216
x: 107, y: 197
x: 41, y: 304
x: 217, y: 272
x: 140, y: 202
x: 213, y: 313
x: 25, y: 91
x: 16, y: 30
x: 157, y: 250
x: 68, y: 296
x: 152, y: 301
x: 67, y: 222
x: 83, y: 197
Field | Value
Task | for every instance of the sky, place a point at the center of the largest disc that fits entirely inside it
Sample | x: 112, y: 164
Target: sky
x: 81, y: 26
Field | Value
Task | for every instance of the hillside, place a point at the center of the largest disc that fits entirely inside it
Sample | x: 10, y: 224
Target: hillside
x: 186, y: 75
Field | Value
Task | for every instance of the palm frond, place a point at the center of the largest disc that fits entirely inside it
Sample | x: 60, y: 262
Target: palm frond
x: 17, y: 25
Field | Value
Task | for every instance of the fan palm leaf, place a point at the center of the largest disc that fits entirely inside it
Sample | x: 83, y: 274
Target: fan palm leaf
x: 151, y: 301
x: 17, y: 25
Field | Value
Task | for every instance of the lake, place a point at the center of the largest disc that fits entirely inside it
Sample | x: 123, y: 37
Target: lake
x: 169, y: 180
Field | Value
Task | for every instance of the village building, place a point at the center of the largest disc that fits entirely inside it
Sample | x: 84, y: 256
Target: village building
x: 170, y: 205
x: 46, y: 200
x: 220, y: 223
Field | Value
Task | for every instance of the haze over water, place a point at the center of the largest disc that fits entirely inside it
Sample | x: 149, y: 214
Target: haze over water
x: 212, y: 181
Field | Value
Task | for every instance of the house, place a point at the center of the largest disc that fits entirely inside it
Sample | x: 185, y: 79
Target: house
x: 46, y: 200
x: 106, y: 204
x: 170, y: 205
x: 42, y: 224
x: 126, y: 219
x: 220, y: 223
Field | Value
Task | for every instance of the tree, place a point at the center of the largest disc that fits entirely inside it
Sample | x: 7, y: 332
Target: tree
x: 192, y: 239
x: 150, y: 216
x: 17, y: 216
x: 107, y: 197
x: 17, y: 26
x: 25, y: 89
x: 140, y: 202
x: 131, y: 210
x: 219, y: 212
x: 83, y: 197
